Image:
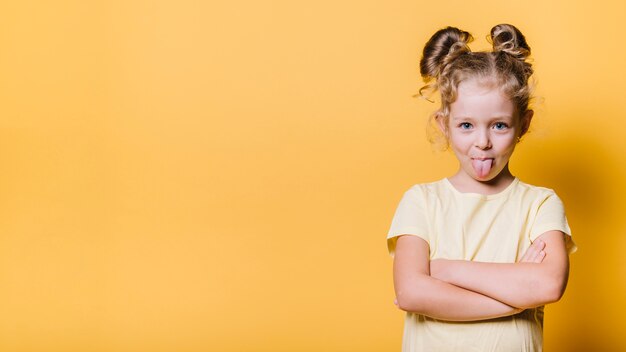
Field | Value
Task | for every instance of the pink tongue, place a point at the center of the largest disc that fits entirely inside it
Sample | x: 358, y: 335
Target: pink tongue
x: 482, y: 167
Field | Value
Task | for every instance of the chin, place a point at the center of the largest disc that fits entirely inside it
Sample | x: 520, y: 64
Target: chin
x: 487, y: 178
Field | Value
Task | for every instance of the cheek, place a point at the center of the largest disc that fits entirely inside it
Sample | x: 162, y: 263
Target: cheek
x: 506, y: 143
x: 460, y: 141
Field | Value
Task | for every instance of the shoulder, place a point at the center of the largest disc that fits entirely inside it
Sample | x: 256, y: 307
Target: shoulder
x: 535, y: 192
x: 547, y: 213
x: 532, y: 188
x: 428, y: 190
x: 539, y: 200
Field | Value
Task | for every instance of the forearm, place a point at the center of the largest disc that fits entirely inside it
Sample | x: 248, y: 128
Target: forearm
x: 526, y: 284
x: 417, y: 291
x: 522, y: 285
x: 440, y: 300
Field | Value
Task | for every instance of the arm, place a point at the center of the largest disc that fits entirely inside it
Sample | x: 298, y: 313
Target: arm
x: 417, y: 291
x: 525, y: 284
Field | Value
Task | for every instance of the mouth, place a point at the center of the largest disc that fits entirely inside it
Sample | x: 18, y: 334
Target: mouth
x: 481, y: 158
x: 482, y: 166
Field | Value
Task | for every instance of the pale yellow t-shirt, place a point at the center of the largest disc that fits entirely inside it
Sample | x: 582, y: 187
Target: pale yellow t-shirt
x: 486, y: 228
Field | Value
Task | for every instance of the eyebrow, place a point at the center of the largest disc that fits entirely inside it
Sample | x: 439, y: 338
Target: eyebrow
x: 503, y: 117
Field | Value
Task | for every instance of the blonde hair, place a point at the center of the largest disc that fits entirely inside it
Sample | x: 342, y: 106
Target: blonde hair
x: 447, y: 61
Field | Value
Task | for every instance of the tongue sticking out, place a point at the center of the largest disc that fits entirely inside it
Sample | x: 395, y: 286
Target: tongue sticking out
x: 482, y: 167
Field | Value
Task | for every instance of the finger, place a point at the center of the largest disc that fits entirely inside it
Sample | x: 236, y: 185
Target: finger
x: 530, y: 253
x: 533, y: 252
x: 538, y: 253
x: 541, y: 256
x: 539, y: 244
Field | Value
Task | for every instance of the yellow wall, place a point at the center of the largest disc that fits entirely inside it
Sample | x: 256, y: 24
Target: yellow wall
x: 200, y: 176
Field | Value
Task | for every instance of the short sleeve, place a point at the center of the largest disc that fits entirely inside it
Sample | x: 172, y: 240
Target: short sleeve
x: 410, y: 218
x: 551, y: 216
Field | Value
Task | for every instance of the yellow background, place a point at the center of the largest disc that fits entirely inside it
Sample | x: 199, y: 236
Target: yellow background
x: 220, y: 176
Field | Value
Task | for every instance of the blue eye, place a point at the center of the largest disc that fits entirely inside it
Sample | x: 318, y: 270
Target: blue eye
x: 500, y: 126
x: 465, y: 125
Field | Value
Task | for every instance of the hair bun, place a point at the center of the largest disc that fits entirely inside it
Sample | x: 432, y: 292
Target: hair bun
x: 508, y: 39
x: 442, y: 48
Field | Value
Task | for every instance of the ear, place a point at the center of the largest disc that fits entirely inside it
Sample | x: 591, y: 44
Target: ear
x: 525, y: 122
x: 442, y: 123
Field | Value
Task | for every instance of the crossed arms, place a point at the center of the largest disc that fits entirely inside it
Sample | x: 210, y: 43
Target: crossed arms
x: 459, y: 290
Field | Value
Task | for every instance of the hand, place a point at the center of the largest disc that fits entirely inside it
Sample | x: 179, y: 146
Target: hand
x: 535, y: 253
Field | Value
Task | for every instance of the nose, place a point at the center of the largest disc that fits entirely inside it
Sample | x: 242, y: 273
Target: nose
x: 482, y: 140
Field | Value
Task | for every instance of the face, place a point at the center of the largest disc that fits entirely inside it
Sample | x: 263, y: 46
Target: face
x: 483, y: 129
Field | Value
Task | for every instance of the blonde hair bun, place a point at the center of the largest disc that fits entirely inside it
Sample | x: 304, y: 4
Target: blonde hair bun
x: 442, y: 48
x: 507, y: 38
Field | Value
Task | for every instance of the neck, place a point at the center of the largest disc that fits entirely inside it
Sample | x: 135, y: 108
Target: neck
x: 466, y: 184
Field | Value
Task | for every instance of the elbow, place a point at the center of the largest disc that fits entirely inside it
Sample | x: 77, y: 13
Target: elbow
x: 415, y: 294
x: 410, y: 302
x: 550, y: 291
x: 403, y: 305
x: 537, y: 299
x: 545, y: 296
x: 557, y: 287
x: 554, y: 291
x: 406, y: 303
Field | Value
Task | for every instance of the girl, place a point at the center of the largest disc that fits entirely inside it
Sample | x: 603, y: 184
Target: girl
x: 477, y: 255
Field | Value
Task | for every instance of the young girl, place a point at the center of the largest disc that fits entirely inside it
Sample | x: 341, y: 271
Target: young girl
x: 478, y: 254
